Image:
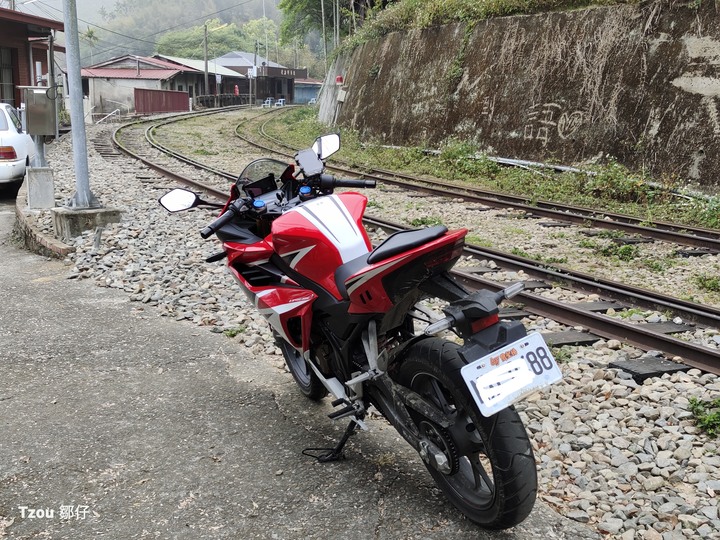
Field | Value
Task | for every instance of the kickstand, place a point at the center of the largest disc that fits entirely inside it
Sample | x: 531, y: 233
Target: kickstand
x: 324, y: 455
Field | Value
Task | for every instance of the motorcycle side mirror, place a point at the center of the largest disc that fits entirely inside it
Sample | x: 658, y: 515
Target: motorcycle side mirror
x: 326, y: 145
x: 178, y: 200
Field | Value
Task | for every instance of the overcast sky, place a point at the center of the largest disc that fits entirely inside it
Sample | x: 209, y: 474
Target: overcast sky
x: 53, y: 9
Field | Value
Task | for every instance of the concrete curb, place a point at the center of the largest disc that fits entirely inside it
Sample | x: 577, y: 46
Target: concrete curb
x: 33, y: 239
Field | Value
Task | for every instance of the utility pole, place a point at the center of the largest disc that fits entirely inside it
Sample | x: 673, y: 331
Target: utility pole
x: 255, y: 74
x: 324, y: 37
x: 83, y: 197
x: 205, y: 45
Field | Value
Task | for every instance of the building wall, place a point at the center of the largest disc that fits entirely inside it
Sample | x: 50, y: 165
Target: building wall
x: 638, y: 82
x: 304, y: 93
x: 104, y: 92
x: 14, y: 37
x: 160, y: 101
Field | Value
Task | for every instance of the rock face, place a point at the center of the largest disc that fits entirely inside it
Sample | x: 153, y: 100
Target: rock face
x: 640, y: 83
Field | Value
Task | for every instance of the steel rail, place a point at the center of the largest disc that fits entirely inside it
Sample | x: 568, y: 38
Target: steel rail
x: 567, y: 214
x: 149, y: 134
x: 560, y: 210
x: 159, y: 168
x: 703, y: 238
x: 693, y: 355
x: 602, y: 325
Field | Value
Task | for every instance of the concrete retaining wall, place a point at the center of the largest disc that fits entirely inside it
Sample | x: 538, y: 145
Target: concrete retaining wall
x: 639, y: 83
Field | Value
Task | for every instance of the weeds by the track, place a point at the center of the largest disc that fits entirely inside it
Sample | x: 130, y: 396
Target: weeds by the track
x: 611, y: 187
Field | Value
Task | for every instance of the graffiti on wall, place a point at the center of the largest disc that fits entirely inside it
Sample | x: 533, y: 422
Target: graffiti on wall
x: 545, y: 121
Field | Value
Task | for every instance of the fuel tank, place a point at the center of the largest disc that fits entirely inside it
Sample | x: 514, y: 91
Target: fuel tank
x: 321, y: 234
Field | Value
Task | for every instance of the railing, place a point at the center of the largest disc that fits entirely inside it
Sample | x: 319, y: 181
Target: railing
x: 222, y: 100
x: 119, y: 103
x: 116, y: 112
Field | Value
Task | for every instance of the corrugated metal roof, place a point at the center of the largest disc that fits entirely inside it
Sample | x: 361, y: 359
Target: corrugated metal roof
x: 244, y: 59
x: 117, y: 73
x: 31, y: 20
x: 199, y: 65
x: 129, y: 61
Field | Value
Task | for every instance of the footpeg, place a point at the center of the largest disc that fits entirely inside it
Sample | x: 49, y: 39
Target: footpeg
x: 352, y: 408
x: 345, y: 411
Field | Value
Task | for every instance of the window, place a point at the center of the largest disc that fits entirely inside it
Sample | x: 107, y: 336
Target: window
x: 15, y: 119
x: 7, y: 87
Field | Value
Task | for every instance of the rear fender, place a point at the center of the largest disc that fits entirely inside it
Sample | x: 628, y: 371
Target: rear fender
x: 490, y: 339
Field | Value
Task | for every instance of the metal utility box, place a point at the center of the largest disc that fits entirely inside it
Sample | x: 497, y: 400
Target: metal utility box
x: 39, y: 110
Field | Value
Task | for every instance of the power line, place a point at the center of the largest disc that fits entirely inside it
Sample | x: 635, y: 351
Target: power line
x: 144, y: 39
x: 103, y: 28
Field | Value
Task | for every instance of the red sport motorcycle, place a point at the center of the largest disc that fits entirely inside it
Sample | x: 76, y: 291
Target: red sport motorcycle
x: 350, y: 321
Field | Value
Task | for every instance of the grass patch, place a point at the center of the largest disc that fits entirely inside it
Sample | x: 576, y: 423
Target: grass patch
x: 624, y: 252
x: 707, y: 415
x: 562, y: 355
x: 630, y: 312
x: 479, y: 241
x: 613, y: 188
x: 234, y: 332
x: 428, y: 221
x: 203, y: 152
x: 520, y: 253
x: 708, y: 283
x: 418, y: 14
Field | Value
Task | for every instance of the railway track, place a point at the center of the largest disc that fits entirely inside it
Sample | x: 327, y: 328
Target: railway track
x: 707, y: 240
x: 643, y: 336
x: 647, y: 336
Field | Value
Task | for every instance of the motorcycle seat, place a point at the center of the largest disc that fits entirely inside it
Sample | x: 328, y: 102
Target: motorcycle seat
x: 404, y: 241
x: 398, y: 242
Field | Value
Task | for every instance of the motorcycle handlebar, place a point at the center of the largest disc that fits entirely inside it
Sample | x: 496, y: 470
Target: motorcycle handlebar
x: 355, y: 183
x: 330, y: 182
x: 234, y: 209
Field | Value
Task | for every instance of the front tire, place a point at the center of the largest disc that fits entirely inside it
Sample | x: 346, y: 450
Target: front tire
x: 492, y: 477
x: 306, y: 379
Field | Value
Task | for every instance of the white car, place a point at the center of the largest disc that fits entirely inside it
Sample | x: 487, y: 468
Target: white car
x: 17, y: 149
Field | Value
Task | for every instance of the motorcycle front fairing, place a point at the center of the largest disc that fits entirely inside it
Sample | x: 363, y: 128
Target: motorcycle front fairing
x: 285, y: 305
x: 317, y: 236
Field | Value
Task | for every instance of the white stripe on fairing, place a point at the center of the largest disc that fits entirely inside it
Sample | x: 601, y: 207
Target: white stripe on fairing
x: 283, y: 308
x: 364, y: 278
x: 272, y: 314
x: 299, y: 254
x: 330, y: 216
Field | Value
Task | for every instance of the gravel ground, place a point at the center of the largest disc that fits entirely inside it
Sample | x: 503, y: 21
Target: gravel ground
x: 623, y: 457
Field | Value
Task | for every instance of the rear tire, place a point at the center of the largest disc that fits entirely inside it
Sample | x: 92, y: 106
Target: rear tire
x: 493, y: 478
x: 306, y: 379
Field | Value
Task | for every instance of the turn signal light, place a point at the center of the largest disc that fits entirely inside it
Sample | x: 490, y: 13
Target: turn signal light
x: 7, y: 152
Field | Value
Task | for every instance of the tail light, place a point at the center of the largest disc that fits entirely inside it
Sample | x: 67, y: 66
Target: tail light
x: 7, y: 152
x: 483, y: 323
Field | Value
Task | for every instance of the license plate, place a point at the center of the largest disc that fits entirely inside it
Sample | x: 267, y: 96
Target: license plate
x: 505, y: 376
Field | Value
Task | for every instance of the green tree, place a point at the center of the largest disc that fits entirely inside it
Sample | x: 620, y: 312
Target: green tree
x: 91, y: 39
x: 222, y: 38
x: 305, y: 16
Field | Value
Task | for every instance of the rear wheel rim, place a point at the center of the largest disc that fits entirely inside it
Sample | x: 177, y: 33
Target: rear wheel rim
x: 473, y: 481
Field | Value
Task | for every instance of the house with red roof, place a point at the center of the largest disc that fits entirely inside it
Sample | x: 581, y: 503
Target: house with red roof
x: 24, y: 44
x: 111, y: 85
